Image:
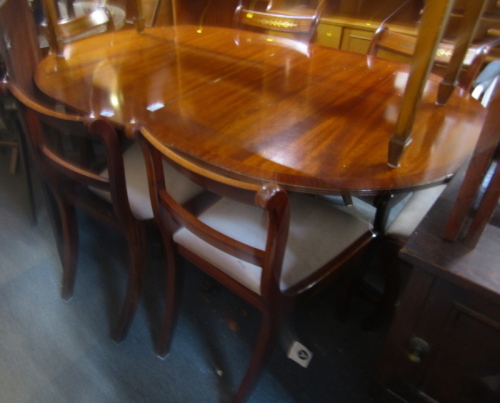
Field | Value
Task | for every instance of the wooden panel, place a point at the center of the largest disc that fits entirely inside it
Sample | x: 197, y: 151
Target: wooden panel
x: 463, y: 370
x: 329, y: 35
x: 356, y: 40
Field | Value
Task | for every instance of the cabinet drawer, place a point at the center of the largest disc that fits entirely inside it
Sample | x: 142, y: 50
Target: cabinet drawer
x: 329, y: 35
x: 356, y: 40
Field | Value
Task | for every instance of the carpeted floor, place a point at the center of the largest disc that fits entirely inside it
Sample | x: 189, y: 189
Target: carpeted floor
x: 57, y: 352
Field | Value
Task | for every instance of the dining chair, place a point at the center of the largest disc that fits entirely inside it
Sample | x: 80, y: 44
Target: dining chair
x: 20, y: 53
x: 291, y: 20
x: 91, y: 19
x: 8, y: 136
x: 267, y: 246
x: 387, y: 43
x: 478, y: 195
x: 70, y: 175
x: 58, y: 32
x: 12, y: 137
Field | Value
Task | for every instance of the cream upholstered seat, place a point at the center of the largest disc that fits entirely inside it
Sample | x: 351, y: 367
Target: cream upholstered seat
x: 137, y: 184
x: 263, y: 244
x: 317, y: 232
x: 413, y: 212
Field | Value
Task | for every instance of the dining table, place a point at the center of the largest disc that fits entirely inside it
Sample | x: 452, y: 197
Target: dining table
x: 310, y: 118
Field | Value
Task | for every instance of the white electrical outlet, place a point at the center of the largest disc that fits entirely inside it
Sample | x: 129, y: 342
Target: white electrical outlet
x: 300, y: 354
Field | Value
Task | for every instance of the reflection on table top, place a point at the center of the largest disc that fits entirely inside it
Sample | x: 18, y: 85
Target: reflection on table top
x: 316, y: 120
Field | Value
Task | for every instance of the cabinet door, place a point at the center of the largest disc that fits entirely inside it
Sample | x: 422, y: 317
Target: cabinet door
x: 463, y: 364
x: 329, y: 35
x: 356, y: 40
x: 450, y: 350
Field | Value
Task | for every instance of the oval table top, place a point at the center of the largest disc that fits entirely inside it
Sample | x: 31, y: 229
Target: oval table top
x: 314, y: 119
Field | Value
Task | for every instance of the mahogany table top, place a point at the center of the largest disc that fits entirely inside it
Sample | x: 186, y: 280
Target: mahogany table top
x: 316, y: 120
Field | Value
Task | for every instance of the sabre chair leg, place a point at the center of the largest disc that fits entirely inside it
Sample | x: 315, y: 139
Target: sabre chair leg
x: 172, y: 301
x: 68, y: 249
x: 137, y: 269
x: 267, y: 339
x: 28, y: 179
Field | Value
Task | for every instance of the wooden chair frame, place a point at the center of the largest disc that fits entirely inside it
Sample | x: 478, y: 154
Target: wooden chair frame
x: 61, y: 31
x: 404, y: 45
x: 300, y: 23
x: 70, y: 181
x: 274, y: 201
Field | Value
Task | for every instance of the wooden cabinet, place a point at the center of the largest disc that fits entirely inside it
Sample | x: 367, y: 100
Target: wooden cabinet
x: 352, y: 33
x: 444, y: 345
x: 346, y: 24
x: 350, y: 25
x: 329, y: 34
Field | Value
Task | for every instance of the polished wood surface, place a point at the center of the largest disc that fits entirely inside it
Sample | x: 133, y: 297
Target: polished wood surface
x: 311, y: 119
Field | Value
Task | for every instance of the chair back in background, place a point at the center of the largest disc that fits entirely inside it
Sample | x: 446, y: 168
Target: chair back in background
x: 19, y: 43
x: 72, y: 20
x: 83, y: 164
x: 386, y: 42
x: 292, y: 20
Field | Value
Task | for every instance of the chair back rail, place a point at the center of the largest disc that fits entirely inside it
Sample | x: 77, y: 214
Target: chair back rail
x: 299, y: 21
x: 19, y: 43
x: 265, y: 197
x: 485, y: 152
x: 57, y: 164
x: 404, y: 45
x: 61, y: 31
x: 77, y: 26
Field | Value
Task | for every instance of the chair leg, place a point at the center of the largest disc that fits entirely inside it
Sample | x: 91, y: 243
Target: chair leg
x: 172, y: 300
x: 20, y: 154
x: 28, y: 177
x: 68, y: 249
x: 267, y: 338
x: 13, y: 160
x: 137, y: 268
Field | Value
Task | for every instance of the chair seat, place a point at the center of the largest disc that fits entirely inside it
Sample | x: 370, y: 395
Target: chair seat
x: 137, y: 184
x: 413, y: 212
x: 318, y: 232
